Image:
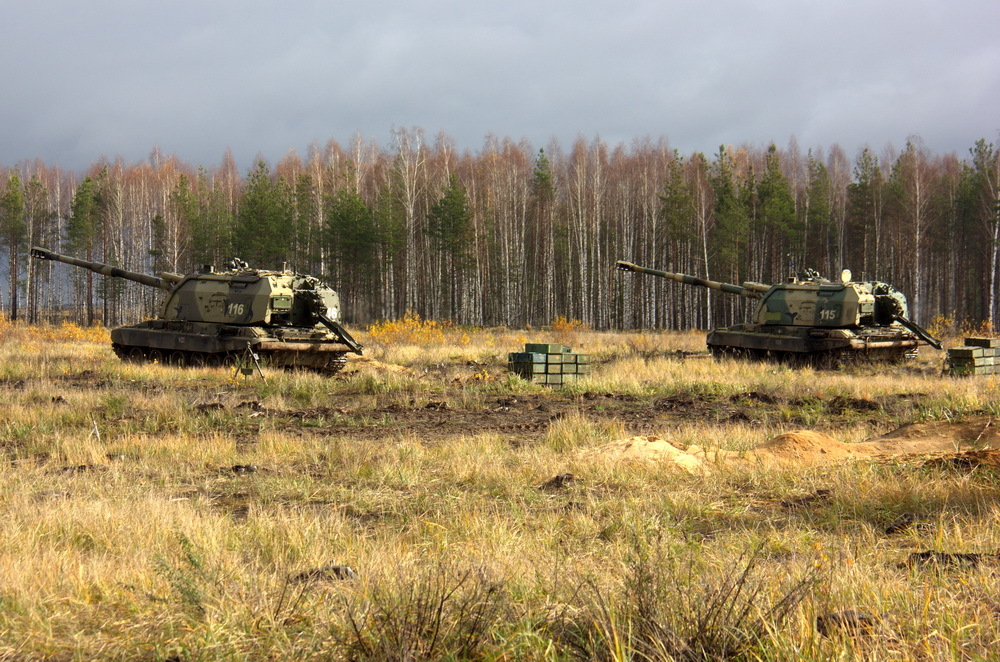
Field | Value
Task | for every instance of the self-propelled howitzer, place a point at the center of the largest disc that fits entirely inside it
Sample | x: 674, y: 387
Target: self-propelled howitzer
x: 211, y: 318
x: 813, y: 319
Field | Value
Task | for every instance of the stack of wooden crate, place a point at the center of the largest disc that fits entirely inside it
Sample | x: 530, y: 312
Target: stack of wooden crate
x: 548, y: 363
x: 978, y: 356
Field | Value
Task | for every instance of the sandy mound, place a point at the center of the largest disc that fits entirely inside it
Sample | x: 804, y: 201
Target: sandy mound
x: 969, y: 443
x: 649, y: 448
x: 802, y: 447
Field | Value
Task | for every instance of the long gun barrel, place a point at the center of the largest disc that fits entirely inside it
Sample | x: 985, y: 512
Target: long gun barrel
x: 748, y: 289
x: 165, y: 283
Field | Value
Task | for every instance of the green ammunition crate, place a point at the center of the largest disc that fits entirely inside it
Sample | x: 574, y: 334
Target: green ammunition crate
x: 977, y: 362
x: 526, y: 368
x: 552, y: 364
x: 963, y: 370
x: 965, y: 352
x: 526, y: 357
x: 546, y: 348
x: 983, y: 342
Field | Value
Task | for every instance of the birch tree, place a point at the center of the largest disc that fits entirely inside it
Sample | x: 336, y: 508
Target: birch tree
x: 912, y: 189
x: 14, y: 228
x: 986, y: 207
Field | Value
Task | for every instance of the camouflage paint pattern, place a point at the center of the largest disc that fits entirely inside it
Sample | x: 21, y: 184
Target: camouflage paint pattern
x: 816, y: 304
x: 812, y: 315
x: 252, y: 297
x: 290, y: 318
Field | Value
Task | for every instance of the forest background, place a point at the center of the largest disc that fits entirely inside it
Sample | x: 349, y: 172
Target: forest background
x: 513, y: 235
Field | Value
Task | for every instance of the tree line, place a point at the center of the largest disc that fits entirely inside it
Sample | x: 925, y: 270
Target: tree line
x: 513, y: 235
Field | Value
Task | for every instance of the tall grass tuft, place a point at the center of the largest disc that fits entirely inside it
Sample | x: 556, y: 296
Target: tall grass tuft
x: 187, y: 576
x: 666, y: 609
x: 438, y: 613
x: 578, y: 431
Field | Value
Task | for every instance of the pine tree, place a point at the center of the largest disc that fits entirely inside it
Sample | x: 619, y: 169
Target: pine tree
x: 865, y: 213
x: 14, y: 227
x: 818, y: 227
x: 307, y: 226
x: 183, y: 205
x: 777, y: 219
x: 352, y: 243
x: 540, y: 251
x: 983, y: 203
x: 265, y: 222
x: 732, y: 216
x: 390, y: 222
x: 677, y: 210
x: 673, y: 237
x: 82, y: 232
x: 212, y: 225
x: 449, y: 224
x: 41, y: 231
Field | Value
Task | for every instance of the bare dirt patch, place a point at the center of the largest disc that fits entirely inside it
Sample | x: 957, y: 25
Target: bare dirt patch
x: 525, y: 418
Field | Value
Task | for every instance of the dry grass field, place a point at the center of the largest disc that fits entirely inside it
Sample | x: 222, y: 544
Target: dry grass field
x: 425, y: 504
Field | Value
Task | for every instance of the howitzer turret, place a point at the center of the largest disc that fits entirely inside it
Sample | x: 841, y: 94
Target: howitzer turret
x: 809, y: 317
x: 208, y: 317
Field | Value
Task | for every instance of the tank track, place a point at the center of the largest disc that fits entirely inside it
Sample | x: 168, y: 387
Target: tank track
x: 829, y: 360
x: 183, y: 358
x: 335, y: 364
x: 179, y: 358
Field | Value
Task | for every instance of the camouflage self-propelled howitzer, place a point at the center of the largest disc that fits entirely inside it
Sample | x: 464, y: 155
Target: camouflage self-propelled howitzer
x: 213, y: 318
x: 814, y: 320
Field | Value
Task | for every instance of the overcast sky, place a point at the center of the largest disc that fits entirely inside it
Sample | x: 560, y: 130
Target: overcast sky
x: 82, y: 80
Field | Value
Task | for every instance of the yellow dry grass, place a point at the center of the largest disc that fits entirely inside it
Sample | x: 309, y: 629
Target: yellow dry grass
x: 132, y: 531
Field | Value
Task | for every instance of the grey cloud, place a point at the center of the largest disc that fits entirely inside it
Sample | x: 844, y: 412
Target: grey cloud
x: 117, y: 78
